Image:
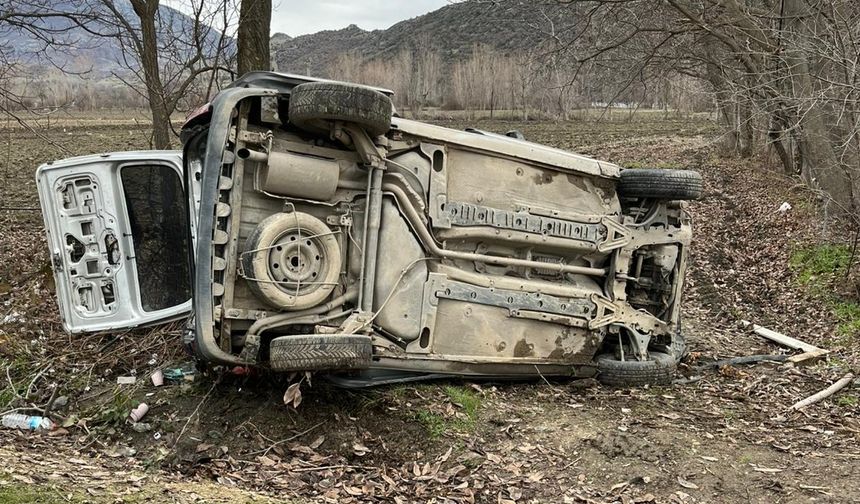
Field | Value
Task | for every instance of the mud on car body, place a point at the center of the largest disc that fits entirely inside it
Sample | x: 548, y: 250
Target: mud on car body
x: 326, y: 233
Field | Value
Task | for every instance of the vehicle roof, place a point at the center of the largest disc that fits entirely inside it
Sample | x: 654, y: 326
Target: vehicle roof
x: 286, y: 81
x: 507, y: 146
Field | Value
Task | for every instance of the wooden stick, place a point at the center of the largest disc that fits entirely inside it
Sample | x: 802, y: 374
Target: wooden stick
x: 829, y: 391
x: 807, y: 357
x: 746, y: 359
x: 782, y: 339
x: 265, y: 451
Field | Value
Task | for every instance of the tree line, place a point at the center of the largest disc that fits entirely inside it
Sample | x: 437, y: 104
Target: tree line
x: 523, y: 85
x: 169, y: 58
x: 780, y: 75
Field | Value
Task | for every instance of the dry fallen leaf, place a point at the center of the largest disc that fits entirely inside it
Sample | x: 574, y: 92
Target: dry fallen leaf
x: 446, y: 455
x: 293, y: 395
x: 354, y: 491
x: 265, y: 461
x: 316, y: 443
x: 687, y: 484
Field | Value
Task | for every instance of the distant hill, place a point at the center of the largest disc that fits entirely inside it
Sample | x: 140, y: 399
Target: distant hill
x: 80, y: 51
x: 452, y: 31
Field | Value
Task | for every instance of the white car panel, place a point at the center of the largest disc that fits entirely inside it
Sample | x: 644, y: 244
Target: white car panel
x: 91, y: 234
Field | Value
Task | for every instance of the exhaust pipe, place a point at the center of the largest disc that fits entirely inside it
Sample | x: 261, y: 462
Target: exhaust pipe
x: 252, y: 155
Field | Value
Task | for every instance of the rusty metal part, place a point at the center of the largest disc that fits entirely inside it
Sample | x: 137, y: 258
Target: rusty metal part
x: 373, y: 157
x: 288, y: 174
x: 252, y: 336
x: 427, y: 240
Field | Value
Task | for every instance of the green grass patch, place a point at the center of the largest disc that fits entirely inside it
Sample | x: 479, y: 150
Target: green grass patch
x: 819, y: 269
x: 19, y: 492
x: 14, y: 379
x: 848, y: 313
x: 847, y: 401
x: 466, y: 399
x: 115, y: 411
x: 817, y: 266
x: 27, y: 494
x: 434, y: 423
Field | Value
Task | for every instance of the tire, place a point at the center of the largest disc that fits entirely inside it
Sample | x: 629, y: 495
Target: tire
x: 657, y: 370
x: 255, y: 265
x: 661, y: 184
x: 313, y: 102
x: 320, y: 352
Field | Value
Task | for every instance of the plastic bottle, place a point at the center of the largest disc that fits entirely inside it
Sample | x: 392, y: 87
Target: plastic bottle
x: 27, y: 422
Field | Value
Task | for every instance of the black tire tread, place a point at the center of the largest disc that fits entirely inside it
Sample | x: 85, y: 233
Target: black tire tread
x: 335, y: 101
x: 661, y: 184
x: 320, y: 352
x: 658, y: 370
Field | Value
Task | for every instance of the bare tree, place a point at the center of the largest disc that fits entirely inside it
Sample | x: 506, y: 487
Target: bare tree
x: 166, y: 51
x: 784, y: 70
x: 46, y: 30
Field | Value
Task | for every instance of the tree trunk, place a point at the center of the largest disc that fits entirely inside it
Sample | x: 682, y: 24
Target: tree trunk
x: 722, y: 97
x: 785, y: 159
x: 255, y: 18
x: 819, y: 164
x: 746, y: 135
x: 146, y: 11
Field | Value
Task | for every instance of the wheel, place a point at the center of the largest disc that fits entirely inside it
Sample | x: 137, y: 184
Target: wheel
x: 314, y: 103
x: 661, y: 184
x: 291, y: 261
x: 320, y: 352
x: 657, y: 370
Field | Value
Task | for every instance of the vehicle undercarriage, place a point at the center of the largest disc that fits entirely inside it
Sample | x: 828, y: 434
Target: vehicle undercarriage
x: 343, y: 239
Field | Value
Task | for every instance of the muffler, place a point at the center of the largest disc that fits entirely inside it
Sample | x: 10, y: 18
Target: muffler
x: 287, y: 174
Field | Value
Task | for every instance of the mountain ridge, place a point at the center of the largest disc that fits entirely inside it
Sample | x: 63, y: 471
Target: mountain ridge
x: 507, y: 26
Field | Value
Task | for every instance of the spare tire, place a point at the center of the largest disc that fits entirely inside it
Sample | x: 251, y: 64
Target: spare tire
x: 657, y: 370
x: 291, y: 261
x: 660, y: 184
x: 319, y: 352
x: 314, y: 103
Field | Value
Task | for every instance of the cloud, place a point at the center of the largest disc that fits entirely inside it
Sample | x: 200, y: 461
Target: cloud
x: 299, y: 17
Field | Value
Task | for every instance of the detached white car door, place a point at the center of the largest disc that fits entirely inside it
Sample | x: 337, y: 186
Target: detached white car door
x: 119, y: 239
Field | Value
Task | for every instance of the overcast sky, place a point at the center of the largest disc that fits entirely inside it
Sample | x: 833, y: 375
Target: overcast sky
x: 299, y: 17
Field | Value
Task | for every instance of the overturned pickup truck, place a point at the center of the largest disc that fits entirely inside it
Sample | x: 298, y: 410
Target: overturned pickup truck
x: 306, y: 227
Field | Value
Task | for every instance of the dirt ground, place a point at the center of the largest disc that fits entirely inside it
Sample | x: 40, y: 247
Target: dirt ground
x: 721, y: 435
